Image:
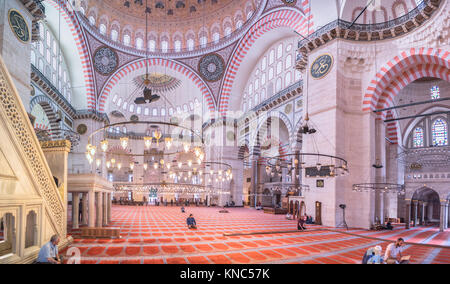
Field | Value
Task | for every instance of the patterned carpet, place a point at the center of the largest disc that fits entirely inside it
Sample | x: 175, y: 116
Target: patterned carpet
x: 159, y: 235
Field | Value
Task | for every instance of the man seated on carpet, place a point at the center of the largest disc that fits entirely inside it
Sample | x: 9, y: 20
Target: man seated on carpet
x: 301, y: 223
x: 394, y: 253
x: 289, y: 216
x: 49, y: 252
x: 182, y: 209
x: 191, y: 222
x: 389, y: 226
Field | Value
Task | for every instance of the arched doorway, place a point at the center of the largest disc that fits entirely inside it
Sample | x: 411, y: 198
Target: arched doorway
x: 425, y: 207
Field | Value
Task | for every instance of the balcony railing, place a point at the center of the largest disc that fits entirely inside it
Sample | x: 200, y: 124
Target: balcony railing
x: 58, y: 97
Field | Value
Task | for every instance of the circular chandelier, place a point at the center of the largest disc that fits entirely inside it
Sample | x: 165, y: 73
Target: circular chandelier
x: 314, y: 164
x: 167, y: 188
x: 158, y: 133
x: 380, y: 188
x: 175, y: 151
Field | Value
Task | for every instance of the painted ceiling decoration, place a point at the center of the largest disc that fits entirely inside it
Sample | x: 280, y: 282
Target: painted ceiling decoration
x: 211, y: 67
x: 157, y: 82
x: 106, y: 60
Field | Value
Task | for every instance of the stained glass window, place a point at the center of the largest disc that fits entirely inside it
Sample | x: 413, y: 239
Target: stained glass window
x: 435, y: 93
x: 418, y: 138
x: 440, y: 132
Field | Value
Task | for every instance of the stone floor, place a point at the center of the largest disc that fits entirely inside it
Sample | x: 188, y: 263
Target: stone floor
x: 159, y: 235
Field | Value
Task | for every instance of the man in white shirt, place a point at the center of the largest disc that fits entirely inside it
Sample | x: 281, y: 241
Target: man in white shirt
x: 394, y: 253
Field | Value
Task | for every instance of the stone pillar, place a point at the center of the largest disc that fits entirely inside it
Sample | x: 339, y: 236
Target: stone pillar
x: 91, y: 220
x: 408, y: 214
x: 109, y: 208
x: 422, y: 215
x: 442, y: 218
x: 255, y: 181
x: 415, y: 207
x: 75, y: 210
x: 105, y: 209
x: 84, y: 215
x: 99, y: 219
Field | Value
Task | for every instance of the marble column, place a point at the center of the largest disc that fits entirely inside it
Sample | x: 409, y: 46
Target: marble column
x: 109, y: 208
x: 105, y: 209
x: 254, y: 181
x: 446, y: 215
x: 99, y: 219
x: 84, y: 214
x: 422, y: 213
x: 415, y: 207
x: 75, y: 210
x: 408, y: 214
x: 91, y: 212
x: 443, y: 214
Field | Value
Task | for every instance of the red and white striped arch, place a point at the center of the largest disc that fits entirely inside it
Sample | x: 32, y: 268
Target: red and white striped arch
x: 140, y: 64
x: 397, y: 73
x: 69, y: 16
x: 392, y: 129
x: 280, y: 18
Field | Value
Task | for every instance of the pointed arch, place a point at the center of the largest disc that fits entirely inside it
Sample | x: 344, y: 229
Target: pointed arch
x: 140, y: 64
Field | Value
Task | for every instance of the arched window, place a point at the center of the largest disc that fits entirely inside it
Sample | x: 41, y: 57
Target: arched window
x: 288, y: 61
x: 288, y: 79
x: 216, y: 37
x: 164, y: 46
x: 435, y: 93
x: 163, y: 112
x: 418, y: 138
x: 139, y: 43
x: 155, y: 112
x: 271, y: 57
x: 270, y: 74
x: 139, y: 110
x: 152, y: 45
x: 127, y: 40
x: 239, y: 24
x: 440, y: 132
x: 280, y: 51
x: 227, y: 31
x: 131, y: 108
x: 263, y: 79
x: 114, y: 35
x: 177, y: 45
x: 279, y: 85
x: 190, y: 44
x: 279, y: 67
x: 264, y: 63
x: 92, y: 20
x: 203, y: 41
x: 102, y: 29
x: 146, y: 111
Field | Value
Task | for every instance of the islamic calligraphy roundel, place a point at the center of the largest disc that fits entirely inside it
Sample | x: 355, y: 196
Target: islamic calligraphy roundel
x: 322, y: 66
x: 19, y: 26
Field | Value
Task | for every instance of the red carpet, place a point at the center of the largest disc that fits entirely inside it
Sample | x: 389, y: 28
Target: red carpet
x: 159, y: 235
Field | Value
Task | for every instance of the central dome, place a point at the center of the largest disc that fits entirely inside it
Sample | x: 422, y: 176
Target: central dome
x: 174, y: 25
